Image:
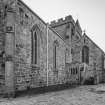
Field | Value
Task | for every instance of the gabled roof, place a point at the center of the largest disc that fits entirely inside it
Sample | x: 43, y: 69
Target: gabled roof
x: 93, y: 42
x: 21, y: 1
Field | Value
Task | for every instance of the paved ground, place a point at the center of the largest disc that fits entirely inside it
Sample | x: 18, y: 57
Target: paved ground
x: 82, y: 95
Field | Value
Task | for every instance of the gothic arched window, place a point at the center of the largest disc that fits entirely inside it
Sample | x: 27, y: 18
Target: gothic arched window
x: 55, y: 54
x: 35, y: 45
x: 85, y: 54
x: 35, y: 48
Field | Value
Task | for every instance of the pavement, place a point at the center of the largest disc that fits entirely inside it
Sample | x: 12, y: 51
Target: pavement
x: 80, y: 95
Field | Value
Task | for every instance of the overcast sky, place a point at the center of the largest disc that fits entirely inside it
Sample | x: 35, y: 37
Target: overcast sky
x: 91, y: 14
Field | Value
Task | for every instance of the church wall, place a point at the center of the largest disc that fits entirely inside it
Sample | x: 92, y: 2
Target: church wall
x: 76, y: 49
x: 25, y: 74
x: 95, y: 59
x: 56, y: 76
x: 76, y: 52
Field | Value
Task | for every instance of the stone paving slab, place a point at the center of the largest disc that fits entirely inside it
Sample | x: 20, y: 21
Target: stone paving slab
x: 76, y: 96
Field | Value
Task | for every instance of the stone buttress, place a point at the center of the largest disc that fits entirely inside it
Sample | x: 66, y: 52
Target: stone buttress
x: 9, y: 50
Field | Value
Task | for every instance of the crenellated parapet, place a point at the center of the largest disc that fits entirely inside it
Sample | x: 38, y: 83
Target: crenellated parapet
x: 62, y: 21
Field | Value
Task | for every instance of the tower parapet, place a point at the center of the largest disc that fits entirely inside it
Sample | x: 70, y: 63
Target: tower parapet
x: 62, y: 21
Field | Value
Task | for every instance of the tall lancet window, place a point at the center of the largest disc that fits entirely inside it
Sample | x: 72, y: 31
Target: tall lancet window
x: 85, y: 55
x: 35, y: 48
x: 55, y: 47
x: 36, y: 34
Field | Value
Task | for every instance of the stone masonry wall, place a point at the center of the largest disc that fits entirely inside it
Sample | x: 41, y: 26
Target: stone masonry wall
x: 25, y: 75
x: 2, y: 46
x: 95, y: 58
x: 57, y: 76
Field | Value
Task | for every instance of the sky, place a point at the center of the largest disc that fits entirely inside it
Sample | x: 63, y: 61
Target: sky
x: 90, y: 13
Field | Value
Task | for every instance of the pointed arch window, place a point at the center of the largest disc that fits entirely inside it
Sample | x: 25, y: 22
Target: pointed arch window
x: 35, y: 45
x: 21, y: 15
x: 55, y: 54
x: 85, y: 54
x: 35, y: 48
x: 55, y: 51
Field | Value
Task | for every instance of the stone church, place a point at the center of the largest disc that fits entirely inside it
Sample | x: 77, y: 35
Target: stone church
x: 36, y: 54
